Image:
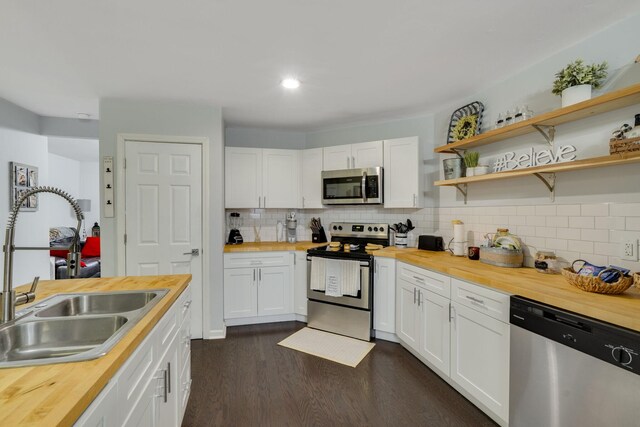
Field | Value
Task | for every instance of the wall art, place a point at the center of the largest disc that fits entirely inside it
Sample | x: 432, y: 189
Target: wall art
x: 458, y: 132
x: 21, y: 179
x: 511, y: 160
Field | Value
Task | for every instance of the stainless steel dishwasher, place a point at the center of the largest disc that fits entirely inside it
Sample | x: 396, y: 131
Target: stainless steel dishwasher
x: 571, y: 370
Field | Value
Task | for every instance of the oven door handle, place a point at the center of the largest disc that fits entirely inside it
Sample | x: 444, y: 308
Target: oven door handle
x: 362, y: 263
x: 364, y: 186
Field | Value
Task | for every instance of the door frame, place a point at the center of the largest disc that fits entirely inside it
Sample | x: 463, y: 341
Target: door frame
x: 122, y: 139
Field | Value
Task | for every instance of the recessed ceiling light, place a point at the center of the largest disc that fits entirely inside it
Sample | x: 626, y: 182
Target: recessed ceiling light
x: 290, y: 83
x: 84, y: 116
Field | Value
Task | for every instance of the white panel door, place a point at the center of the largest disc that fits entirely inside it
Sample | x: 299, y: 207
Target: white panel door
x: 280, y: 178
x: 310, y: 172
x: 300, y: 284
x: 384, y: 294
x: 163, y: 204
x: 435, y: 329
x: 243, y: 177
x: 407, y: 314
x: 367, y: 154
x: 402, y: 179
x: 274, y: 290
x: 337, y: 157
x: 480, y: 357
x: 240, y: 294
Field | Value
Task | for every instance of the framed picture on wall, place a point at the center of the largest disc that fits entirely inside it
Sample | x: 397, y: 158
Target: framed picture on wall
x: 22, y: 178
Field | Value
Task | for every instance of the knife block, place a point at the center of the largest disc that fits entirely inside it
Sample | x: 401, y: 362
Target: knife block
x: 319, y: 237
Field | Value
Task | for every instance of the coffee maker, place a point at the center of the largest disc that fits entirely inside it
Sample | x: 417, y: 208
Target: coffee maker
x: 235, y: 223
x: 292, y: 225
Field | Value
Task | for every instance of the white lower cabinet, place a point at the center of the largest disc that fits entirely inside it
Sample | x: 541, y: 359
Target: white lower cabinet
x: 464, y: 337
x: 384, y: 297
x: 258, y: 291
x: 146, y: 390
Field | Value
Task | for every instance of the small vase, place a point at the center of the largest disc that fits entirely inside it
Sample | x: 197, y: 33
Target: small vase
x: 481, y: 170
x: 470, y: 171
x: 574, y: 94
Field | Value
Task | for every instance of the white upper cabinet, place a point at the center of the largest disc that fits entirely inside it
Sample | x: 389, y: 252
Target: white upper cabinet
x: 338, y: 157
x: 402, y: 177
x: 311, y: 162
x: 261, y: 178
x: 243, y: 177
x: 280, y: 178
x: 362, y: 155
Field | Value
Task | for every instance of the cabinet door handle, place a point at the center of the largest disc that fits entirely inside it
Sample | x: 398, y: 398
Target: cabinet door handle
x: 259, y: 199
x: 476, y: 300
x: 254, y: 274
x: 169, y: 378
x: 353, y: 162
x: 418, y: 278
x: 414, y: 295
x: 348, y: 163
x: 260, y: 274
x: 264, y: 203
x: 303, y: 202
x: 414, y: 200
x: 419, y: 295
x: 166, y: 385
x: 452, y: 312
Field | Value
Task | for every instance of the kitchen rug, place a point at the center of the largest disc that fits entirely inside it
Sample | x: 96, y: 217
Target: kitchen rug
x: 337, y: 348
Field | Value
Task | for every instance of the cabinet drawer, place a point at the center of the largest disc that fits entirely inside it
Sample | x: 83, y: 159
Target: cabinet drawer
x: 167, y: 328
x: 256, y: 259
x: 487, y: 301
x: 429, y: 280
x: 134, y: 376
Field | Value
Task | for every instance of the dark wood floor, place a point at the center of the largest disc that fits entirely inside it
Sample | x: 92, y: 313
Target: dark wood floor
x: 249, y: 380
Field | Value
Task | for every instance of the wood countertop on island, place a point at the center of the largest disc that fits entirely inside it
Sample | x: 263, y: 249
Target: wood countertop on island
x: 57, y: 394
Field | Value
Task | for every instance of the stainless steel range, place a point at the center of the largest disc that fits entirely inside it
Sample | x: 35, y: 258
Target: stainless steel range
x: 340, y: 280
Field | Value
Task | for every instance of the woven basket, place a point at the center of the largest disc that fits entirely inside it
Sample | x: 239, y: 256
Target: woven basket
x: 624, y: 145
x: 636, y: 280
x: 595, y: 283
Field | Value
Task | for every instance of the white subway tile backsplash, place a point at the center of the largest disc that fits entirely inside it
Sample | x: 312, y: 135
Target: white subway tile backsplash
x: 616, y: 236
x: 568, y: 233
x: 557, y: 221
x: 526, y: 210
x: 610, y: 222
x: 594, y: 235
x: 568, y: 210
x: 599, y: 209
x: 633, y: 223
x: 538, y: 221
x: 609, y: 249
x: 595, y: 259
x: 517, y: 220
x: 556, y: 244
x: 525, y: 230
x: 580, y: 246
x: 545, y: 232
x: 581, y: 222
x: 625, y: 209
x: 546, y: 210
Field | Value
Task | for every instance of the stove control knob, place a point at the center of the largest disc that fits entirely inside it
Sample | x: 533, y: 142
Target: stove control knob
x: 375, y: 228
x: 339, y: 227
x: 335, y: 228
x: 621, y: 355
x: 370, y: 229
x: 381, y: 228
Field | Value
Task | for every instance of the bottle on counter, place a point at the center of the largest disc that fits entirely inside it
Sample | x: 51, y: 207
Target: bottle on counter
x: 95, y: 230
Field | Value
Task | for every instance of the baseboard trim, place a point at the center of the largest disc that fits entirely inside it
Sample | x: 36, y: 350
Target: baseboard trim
x: 217, y: 334
x: 261, y: 319
x: 387, y: 336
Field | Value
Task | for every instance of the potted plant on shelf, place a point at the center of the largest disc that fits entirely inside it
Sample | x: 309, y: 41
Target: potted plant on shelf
x: 575, y: 81
x: 471, y: 161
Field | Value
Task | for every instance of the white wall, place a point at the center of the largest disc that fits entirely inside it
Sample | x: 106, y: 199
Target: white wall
x: 175, y: 119
x: 90, y: 189
x: 64, y: 173
x: 31, y: 227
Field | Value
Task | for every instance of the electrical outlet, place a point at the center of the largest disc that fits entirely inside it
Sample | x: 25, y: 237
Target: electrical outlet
x: 630, y: 250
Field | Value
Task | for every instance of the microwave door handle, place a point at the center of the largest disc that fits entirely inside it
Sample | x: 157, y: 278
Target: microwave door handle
x: 364, y: 186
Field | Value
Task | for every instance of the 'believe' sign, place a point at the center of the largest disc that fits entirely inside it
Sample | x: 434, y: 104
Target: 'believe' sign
x: 509, y: 161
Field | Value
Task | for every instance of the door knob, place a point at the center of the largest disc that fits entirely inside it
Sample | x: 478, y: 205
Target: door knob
x: 194, y: 252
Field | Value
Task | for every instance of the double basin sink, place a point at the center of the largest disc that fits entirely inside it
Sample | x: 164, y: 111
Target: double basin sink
x: 73, y: 327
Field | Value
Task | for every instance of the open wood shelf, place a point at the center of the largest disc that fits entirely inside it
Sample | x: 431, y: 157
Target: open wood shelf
x: 594, y: 162
x: 608, y: 102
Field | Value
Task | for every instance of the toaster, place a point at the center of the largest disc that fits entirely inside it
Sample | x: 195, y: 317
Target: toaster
x: 431, y: 243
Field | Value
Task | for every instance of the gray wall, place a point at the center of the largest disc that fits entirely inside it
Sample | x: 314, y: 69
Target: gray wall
x: 17, y: 118
x: 69, y: 128
x: 263, y: 138
x: 175, y: 119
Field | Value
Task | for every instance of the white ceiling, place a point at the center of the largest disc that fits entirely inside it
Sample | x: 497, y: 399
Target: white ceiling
x: 357, y: 59
x: 82, y: 150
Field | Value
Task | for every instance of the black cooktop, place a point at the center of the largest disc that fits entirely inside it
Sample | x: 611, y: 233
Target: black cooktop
x: 329, y: 252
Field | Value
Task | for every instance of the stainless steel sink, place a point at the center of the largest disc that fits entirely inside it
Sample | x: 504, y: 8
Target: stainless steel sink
x: 53, y: 338
x: 106, y: 303
x: 73, y: 327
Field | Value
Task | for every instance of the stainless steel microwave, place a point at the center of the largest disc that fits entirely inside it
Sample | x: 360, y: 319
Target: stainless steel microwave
x: 352, y: 186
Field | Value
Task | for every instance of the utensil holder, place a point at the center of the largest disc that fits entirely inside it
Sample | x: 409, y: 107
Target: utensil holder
x: 319, y: 237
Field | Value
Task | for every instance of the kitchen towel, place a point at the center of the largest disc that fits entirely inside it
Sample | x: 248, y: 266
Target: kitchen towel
x: 334, y: 276
x: 350, y: 278
x: 318, y: 268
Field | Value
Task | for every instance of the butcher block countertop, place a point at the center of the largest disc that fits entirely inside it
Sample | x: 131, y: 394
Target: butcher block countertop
x: 57, y: 394
x: 271, y: 246
x: 552, y: 289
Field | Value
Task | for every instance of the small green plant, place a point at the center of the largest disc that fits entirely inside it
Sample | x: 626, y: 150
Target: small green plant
x: 577, y: 73
x: 471, y: 159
